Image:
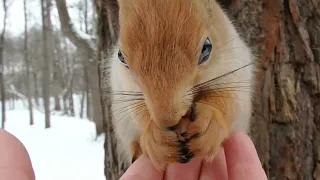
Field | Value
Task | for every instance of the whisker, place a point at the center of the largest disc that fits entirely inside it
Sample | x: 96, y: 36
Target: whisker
x: 210, y: 83
x: 225, y: 89
x: 131, y: 119
x: 218, y: 84
x: 127, y: 108
x: 135, y: 92
x: 228, y: 42
x: 131, y: 109
x: 126, y: 94
x: 223, y: 50
x: 221, y: 76
x: 229, y: 97
x: 127, y: 100
x: 227, y: 58
x: 229, y: 90
x: 132, y: 104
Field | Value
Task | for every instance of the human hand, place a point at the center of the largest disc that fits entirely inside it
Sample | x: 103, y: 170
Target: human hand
x: 15, y: 163
x: 236, y: 160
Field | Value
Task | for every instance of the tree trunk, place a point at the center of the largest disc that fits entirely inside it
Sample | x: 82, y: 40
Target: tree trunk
x: 36, y: 92
x: 58, y: 74
x: 71, y: 106
x: 70, y: 90
x: 9, y: 98
x: 84, y: 45
x: 97, y: 113
x: 86, y: 80
x: 64, y: 81
x: 108, y: 33
x: 286, y: 116
x: 85, y: 15
x: 45, y: 9
x: 82, y: 104
x: 65, y: 103
x: 2, y: 82
x: 85, y: 71
x: 26, y: 60
x: 56, y: 88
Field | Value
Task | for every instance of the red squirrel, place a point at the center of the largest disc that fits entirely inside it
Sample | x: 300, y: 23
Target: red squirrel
x: 181, y: 80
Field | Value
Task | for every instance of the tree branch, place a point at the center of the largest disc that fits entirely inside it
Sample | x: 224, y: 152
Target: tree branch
x: 80, y: 39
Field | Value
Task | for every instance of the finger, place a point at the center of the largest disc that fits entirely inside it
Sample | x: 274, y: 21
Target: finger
x: 217, y: 169
x: 242, y: 158
x: 188, y: 171
x: 142, y: 169
x: 14, y: 174
x: 11, y: 148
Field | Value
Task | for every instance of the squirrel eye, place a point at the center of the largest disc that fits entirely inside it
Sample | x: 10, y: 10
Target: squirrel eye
x: 122, y: 60
x: 206, y: 51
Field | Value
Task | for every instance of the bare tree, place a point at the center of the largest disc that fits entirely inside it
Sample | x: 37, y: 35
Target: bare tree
x: 86, y: 73
x: 45, y: 10
x: 86, y: 46
x: 27, y: 63
x: 35, y: 48
x: 83, y: 21
x: 2, y: 83
x: 108, y: 29
x: 86, y: 78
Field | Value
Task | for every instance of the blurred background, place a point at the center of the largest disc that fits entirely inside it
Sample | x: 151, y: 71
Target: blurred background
x: 46, y: 98
x: 54, y: 94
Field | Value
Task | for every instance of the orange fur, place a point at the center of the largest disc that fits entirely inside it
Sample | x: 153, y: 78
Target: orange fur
x: 160, y: 59
x: 161, y: 41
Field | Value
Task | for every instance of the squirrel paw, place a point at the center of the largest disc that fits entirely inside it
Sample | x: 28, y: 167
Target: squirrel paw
x: 161, y: 146
x: 205, y: 135
x: 199, y: 135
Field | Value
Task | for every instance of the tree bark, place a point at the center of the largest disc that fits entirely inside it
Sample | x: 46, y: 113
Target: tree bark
x: 85, y: 71
x: 84, y: 45
x: 82, y: 104
x: 36, y: 91
x: 2, y: 82
x: 70, y: 89
x: 108, y: 33
x: 45, y: 10
x: 286, y: 115
x: 88, y: 92
x: 27, y: 63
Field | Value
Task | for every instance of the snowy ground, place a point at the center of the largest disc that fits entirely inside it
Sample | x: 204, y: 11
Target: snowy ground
x: 67, y: 151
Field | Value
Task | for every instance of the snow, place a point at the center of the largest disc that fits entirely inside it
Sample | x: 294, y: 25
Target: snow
x: 86, y: 37
x: 68, y: 150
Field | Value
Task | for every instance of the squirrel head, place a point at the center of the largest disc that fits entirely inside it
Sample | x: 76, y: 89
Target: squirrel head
x: 166, y: 48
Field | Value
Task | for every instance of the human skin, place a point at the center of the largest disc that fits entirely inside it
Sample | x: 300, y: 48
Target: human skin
x: 15, y: 163
x: 236, y: 160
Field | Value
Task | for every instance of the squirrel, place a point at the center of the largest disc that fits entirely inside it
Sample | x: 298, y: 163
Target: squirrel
x: 181, y: 79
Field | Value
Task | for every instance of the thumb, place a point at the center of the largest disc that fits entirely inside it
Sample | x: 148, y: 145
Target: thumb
x: 142, y: 169
x: 242, y: 158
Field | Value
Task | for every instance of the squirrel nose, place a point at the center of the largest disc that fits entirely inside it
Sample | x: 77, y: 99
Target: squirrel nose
x: 173, y: 128
x: 190, y: 115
